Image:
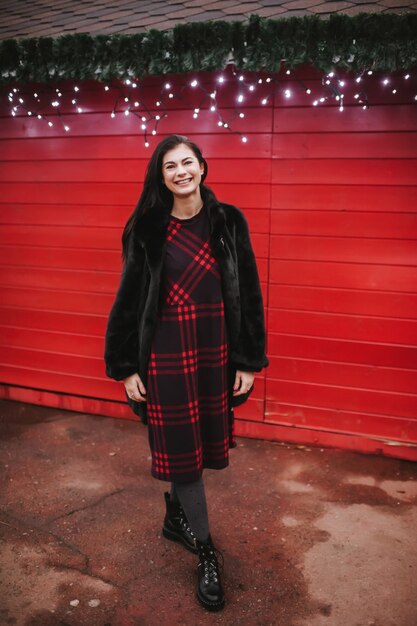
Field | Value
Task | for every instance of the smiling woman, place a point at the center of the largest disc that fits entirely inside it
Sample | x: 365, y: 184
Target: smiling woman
x: 185, y: 335
x: 182, y: 175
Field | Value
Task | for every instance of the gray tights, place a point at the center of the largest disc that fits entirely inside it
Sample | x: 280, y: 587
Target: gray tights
x: 193, y: 500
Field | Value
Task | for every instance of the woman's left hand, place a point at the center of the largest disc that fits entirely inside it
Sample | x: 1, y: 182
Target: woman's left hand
x: 243, y: 382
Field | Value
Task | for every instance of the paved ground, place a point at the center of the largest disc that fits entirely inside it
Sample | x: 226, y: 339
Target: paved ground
x: 310, y: 536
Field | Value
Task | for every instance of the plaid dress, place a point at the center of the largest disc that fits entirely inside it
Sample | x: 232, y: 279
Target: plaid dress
x: 187, y: 388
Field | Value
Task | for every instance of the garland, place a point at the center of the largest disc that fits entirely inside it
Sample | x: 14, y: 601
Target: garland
x: 366, y: 41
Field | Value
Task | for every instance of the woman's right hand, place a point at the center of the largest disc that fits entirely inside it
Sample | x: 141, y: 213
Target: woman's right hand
x: 135, y: 388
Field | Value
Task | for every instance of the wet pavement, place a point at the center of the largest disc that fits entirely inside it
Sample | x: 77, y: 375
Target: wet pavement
x: 310, y: 536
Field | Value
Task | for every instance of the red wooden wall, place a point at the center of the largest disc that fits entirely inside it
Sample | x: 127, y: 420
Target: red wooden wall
x: 330, y: 198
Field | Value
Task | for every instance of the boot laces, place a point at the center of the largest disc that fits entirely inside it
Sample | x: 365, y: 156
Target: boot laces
x: 211, y: 566
x: 183, y: 521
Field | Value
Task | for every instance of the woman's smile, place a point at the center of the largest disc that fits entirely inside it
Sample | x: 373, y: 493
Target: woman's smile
x: 181, y: 171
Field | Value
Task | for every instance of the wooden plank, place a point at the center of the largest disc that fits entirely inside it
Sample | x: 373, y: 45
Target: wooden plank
x: 63, y: 300
x: 127, y: 146
x: 401, y: 145
x: 366, y: 376
x: 344, y: 275
x: 329, y: 119
x: 315, y: 437
x: 352, y: 224
x: 343, y: 326
x: 398, y: 405
x: 242, y: 195
x: 353, y: 301
x: 342, y: 171
x: 19, y: 337
x: 367, y: 251
x: 344, y: 422
x: 344, y: 198
x: 125, y: 170
x: 346, y: 351
x: 60, y: 321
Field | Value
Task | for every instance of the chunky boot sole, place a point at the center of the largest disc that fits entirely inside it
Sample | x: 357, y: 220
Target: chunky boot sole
x: 210, y: 606
x: 173, y: 536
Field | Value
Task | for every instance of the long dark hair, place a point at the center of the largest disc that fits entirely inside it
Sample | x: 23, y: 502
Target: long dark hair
x: 155, y: 195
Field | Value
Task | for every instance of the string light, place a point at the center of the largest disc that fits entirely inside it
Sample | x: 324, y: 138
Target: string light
x: 245, y: 85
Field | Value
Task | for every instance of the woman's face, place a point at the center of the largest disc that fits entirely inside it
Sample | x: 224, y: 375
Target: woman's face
x: 181, y: 171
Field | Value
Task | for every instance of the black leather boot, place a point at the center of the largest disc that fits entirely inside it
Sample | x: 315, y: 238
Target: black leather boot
x: 176, y: 526
x: 209, y: 590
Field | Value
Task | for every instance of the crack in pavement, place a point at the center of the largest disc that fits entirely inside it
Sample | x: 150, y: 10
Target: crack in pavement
x: 87, y: 506
x: 85, y: 570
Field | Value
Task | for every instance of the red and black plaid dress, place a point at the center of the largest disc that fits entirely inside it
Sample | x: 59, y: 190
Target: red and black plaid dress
x: 187, y: 390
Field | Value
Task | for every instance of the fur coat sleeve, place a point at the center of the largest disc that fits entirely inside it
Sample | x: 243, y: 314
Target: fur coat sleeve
x: 248, y: 353
x: 121, y: 340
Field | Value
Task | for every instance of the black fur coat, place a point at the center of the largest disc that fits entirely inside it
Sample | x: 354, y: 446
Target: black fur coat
x: 132, y: 319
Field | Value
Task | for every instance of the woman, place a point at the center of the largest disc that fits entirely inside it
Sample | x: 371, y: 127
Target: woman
x: 185, y: 335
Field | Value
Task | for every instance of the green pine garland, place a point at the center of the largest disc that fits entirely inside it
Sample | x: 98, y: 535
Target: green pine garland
x: 366, y: 41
